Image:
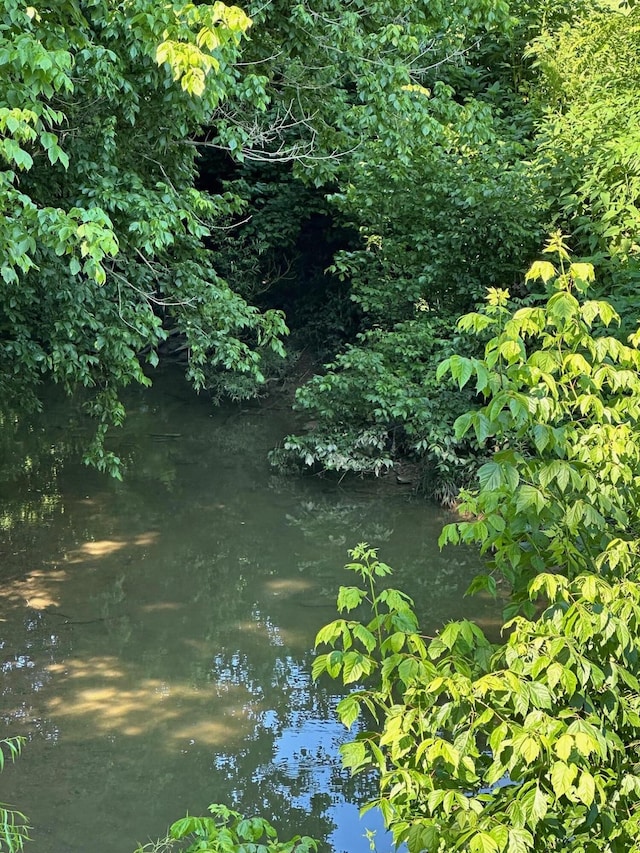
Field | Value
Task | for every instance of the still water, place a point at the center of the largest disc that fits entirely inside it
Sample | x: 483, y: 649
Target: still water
x: 156, y: 635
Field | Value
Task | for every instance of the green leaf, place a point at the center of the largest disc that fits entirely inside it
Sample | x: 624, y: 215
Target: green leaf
x: 529, y: 748
x: 563, y: 747
x: 349, y: 597
x: 586, y: 788
x: 539, y: 695
x: 423, y: 836
x: 461, y: 369
x: 365, y: 637
x: 354, y: 755
x: 529, y: 498
x: 482, y: 842
x: 410, y: 670
x: 334, y: 663
x: 536, y: 805
x: 490, y: 476
x: 541, y: 437
x: 319, y: 666
x: 329, y: 634
x: 449, y: 635
x: 562, y: 307
x: 562, y: 777
x: 543, y: 270
x: 511, y: 350
x: 355, y: 665
x: 483, y: 427
x: 449, y: 535
x: 462, y: 424
x: 348, y: 710
x: 582, y: 272
x: 520, y: 841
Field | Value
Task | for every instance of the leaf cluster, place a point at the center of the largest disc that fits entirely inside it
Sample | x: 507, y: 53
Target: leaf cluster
x: 380, y: 402
x: 561, y: 416
x: 103, y: 236
x: 525, y: 746
x: 531, y: 744
x: 227, y: 831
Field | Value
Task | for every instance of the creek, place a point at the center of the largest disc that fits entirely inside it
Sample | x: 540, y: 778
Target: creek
x: 156, y: 635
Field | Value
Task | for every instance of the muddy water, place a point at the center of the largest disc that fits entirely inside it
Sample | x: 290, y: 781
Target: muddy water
x: 156, y: 635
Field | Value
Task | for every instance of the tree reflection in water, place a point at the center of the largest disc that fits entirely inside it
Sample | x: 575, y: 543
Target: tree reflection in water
x: 157, y: 634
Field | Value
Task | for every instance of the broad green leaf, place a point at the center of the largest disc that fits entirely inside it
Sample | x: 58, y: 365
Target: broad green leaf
x: 539, y: 805
x: 562, y: 307
x: 530, y: 499
x: 329, y: 634
x: 449, y: 635
x: 562, y: 777
x: 586, y: 788
x: 529, y: 748
x: 520, y: 841
x: 512, y: 350
x: 583, y: 272
x: 563, y: 747
x: 543, y: 270
x: 348, y: 710
x: 319, y: 666
x: 482, y: 842
x: 365, y: 637
x: 461, y: 369
x: 354, y: 755
x: 354, y: 666
x: 490, y: 476
x: 539, y: 694
x: 423, y: 835
x: 349, y: 597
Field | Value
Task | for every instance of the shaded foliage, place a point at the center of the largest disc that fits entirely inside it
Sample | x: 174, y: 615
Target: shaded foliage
x: 498, y: 141
x: 103, y: 229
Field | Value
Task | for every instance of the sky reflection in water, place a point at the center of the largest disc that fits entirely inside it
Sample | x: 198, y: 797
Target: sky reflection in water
x: 156, y: 635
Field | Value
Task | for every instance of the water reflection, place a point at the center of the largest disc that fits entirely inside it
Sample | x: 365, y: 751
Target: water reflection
x: 156, y: 634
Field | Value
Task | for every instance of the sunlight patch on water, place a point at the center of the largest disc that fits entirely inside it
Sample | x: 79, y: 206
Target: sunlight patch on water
x: 161, y: 607
x: 158, y: 634
x: 99, y: 691
x: 107, y: 547
x: 288, y: 586
x: 37, y: 590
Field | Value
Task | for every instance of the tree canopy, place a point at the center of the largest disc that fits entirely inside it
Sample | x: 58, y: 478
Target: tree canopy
x: 161, y: 167
x: 537, y: 132
x: 104, y: 237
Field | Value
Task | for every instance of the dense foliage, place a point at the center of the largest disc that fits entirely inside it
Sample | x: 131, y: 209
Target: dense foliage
x: 187, y: 171
x: 530, y: 744
x: 102, y: 242
x: 537, y: 131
